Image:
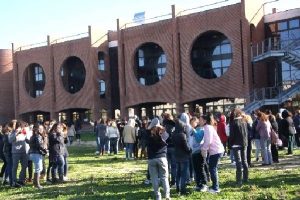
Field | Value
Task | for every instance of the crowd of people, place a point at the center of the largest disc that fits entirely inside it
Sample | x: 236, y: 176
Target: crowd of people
x: 29, y: 145
x: 188, y: 147
x: 179, y: 149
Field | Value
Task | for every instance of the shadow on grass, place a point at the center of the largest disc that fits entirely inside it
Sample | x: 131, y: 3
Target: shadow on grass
x: 91, y: 188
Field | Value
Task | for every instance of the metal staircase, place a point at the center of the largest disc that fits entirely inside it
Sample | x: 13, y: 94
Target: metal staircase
x: 270, y: 49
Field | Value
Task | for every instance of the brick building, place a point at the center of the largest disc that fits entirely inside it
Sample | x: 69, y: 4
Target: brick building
x: 200, y: 61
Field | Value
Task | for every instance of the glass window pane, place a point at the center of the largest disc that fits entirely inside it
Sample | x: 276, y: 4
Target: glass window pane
x: 282, y: 26
x: 224, y: 69
x: 286, y: 76
x: 216, y: 64
x: 226, y: 62
x: 141, y: 62
x: 141, y: 53
x: 217, y: 72
x: 285, y: 66
x: 294, y: 23
x: 225, y: 49
x: 217, y: 50
x: 142, y: 81
x: 294, y: 34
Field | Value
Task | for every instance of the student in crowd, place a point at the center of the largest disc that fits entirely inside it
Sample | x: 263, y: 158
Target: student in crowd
x: 157, y: 158
x: 169, y: 125
x: 101, y: 132
x: 36, y: 152
x: 2, y: 157
x: 288, y: 129
x: 56, y: 151
x: 238, y: 141
x: 264, y: 129
x: 71, y: 132
x: 221, y: 130
x: 274, y: 147
x: 143, y: 138
x: 199, y: 163
x: 182, y: 155
x: 113, y: 136
x: 66, y: 152
x: 213, y: 147
x: 129, y: 138
x: 7, y: 149
x: 17, y: 139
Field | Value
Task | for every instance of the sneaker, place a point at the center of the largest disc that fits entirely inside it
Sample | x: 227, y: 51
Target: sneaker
x: 213, y: 191
x: 204, y: 188
x: 65, y: 178
x: 48, y: 180
x: 97, y: 153
x: 16, y: 185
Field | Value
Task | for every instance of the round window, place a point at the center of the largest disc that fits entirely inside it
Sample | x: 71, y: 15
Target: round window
x: 72, y: 74
x: 150, y: 63
x: 211, y: 55
x: 34, y: 80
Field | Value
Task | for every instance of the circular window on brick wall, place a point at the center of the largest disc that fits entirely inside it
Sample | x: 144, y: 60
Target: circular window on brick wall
x: 72, y: 74
x: 150, y: 63
x: 34, y: 80
x: 211, y: 54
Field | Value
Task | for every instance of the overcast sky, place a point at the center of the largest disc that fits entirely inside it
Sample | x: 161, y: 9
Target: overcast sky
x: 30, y: 21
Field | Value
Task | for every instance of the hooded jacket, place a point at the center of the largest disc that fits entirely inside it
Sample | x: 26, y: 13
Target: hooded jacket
x: 221, y: 129
x: 238, y: 133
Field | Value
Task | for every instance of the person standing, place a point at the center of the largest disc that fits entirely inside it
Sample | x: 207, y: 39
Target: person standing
x: 264, y: 129
x: 238, y: 141
x: 288, y: 129
x: 129, y: 138
x: 113, y: 135
x: 157, y: 158
x: 214, y: 148
x: 17, y: 139
x: 7, y: 147
x: 36, y: 152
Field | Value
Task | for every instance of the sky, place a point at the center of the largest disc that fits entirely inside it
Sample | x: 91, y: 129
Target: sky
x: 24, y: 22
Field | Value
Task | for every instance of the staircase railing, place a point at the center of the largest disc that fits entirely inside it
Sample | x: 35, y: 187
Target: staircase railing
x: 274, y: 44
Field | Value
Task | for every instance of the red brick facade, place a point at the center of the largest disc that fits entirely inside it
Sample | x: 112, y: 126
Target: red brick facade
x: 180, y: 84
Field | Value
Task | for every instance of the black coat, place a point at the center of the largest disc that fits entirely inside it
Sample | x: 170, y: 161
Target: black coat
x: 238, y: 133
x: 6, y: 145
x: 287, y: 127
x: 182, y: 149
x: 156, y: 145
x: 36, y: 144
x: 56, y: 144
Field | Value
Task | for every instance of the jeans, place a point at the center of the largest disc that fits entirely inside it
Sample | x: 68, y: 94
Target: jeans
x: 182, y: 173
x: 129, y: 150
x: 16, y: 158
x: 8, y: 170
x: 240, y: 156
x: 249, y: 151
x: 98, y: 144
x: 158, y: 169
x: 71, y: 138
x: 213, y: 169
x: 291, y: 144
x: 266, y: 151
x: 114, y: 145
x: 58, y: 165
x: 199, y: 168
x: 172, y: 164
x: 66, y: 165
x: 257, y: 148
x: 37, y: 160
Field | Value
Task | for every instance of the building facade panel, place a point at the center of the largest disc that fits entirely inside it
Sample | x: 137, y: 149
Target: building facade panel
x: 26, y: 103
x: 160, y: 33
x: 84, y: 97
x: 234, y: 82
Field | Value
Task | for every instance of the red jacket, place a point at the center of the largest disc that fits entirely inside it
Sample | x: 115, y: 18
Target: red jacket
x: 221, y: 129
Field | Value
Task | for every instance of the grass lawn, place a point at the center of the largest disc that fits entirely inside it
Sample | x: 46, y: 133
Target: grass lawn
x: 111, y: 177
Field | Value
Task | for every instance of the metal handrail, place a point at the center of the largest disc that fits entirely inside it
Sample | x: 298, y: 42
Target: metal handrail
x: 189, y: 9
x: 133, y: 23
x: 100, y: 39
x: 70, y: 37
x: 30, y: 46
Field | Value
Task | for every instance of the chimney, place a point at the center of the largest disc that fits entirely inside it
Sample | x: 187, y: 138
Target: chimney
x: 273, y: 10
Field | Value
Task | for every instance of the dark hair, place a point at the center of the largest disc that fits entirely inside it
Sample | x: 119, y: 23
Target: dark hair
x: 285, y: 114
x: 209, y: 118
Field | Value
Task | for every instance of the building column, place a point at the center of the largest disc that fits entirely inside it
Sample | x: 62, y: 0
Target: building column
x: 179, y: 108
